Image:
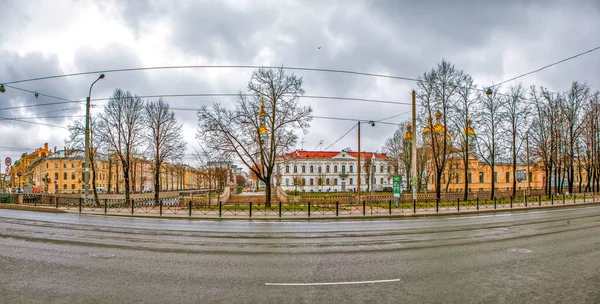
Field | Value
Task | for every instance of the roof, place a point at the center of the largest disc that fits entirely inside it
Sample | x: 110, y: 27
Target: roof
x: 68, y: 154
x: 299, y: 154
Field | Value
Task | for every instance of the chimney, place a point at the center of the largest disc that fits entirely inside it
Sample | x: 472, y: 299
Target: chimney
x: 46, y: 146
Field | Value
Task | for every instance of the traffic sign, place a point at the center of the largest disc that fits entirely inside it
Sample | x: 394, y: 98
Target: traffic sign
x: 19, y: 174
x: 396, y: 185
x: 7, y: 171
x: 8, y: 161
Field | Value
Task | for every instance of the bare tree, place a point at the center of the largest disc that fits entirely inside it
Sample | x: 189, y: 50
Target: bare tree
x: 516, y: 110
x: 576, y: 96
x: 399, y: 152
x: 164, y: 137
x: 461, y: 120
x: 437, y: 90
x: 263, y: 124
x: 76, y: 140
x: 121, y: 128
x: 488, y: 118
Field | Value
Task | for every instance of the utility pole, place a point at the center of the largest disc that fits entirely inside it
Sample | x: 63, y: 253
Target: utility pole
x: 414, y: 146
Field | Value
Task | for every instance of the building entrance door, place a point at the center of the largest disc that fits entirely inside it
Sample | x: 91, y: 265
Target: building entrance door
x: 343, y: 186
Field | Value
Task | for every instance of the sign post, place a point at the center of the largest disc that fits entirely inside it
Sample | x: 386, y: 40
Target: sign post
x: 396, y: 188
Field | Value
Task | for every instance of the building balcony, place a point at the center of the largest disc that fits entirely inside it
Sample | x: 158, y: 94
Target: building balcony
x: 343, y: 174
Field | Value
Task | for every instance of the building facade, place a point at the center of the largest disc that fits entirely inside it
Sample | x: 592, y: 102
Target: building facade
x: 332, y: 171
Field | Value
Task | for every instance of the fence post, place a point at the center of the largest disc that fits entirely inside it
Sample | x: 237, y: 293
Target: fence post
x: 160, y: 205
x: 573, y: 198
x: 584, y: 196
x: 56, y: 201
x: 250, y: 209
x: 539, y: 201
x: 477, y: 204
x: 34, y: 201
x: 390, y: 206
x: 563, y: 198
x: 220, y: 208
x: 525, y: 198
x: 279, y: 209
x: 364, y: 207
x: 337, y: 208
x: 132, y: 205
x: 80, y: 202
x: 414, y: 206
x: 308, y: 209
x: 105, y: 206
x: 458, y: 204
x: 511, y: 201
x: 190, y: 207
x: 437, y: 205
x: 551, y: 199
x: 494, y: 202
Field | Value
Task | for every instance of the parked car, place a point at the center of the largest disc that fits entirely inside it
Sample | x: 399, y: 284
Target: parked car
x: 100, y: 189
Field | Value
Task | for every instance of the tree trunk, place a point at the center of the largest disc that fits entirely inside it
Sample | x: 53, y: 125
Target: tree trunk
x: 108, y: 189
x: 267, y: 192
x: 157, y: 184
x: 96, y: 201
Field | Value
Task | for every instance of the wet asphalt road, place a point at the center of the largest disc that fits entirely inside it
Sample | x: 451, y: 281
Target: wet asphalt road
x: 535, y: 256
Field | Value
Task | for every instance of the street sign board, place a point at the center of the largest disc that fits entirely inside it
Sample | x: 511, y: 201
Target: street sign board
x: 8, y: 161
x: 396, y: 185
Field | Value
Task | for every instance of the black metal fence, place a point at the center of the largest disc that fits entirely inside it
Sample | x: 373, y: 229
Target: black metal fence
x: 316, y: 208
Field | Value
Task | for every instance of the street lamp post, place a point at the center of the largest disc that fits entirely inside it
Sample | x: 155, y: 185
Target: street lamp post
x: 372, y: 123
x: 86, y: 165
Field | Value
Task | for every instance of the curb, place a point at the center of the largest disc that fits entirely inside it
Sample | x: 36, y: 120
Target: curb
x: 31, y: 208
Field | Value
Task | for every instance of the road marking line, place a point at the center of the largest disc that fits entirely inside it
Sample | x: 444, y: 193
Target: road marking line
x: 332, y: 283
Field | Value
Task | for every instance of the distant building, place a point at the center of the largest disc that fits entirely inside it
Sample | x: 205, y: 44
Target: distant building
x: 332, y: 171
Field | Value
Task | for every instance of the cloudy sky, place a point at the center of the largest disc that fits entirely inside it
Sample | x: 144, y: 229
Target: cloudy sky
x: 491, y: 40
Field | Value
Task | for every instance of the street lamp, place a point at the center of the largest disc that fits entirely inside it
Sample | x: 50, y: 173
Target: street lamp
x: 372, y: 123
x: 488, y: 92
x: 86, y: 165
x: 2, y: 89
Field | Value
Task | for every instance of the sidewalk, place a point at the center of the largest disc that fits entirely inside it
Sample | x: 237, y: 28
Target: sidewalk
x: 245, y: 212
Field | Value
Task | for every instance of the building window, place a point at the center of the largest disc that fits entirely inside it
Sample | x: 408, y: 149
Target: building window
x: 287, y: 181
x: 46, y: 165
x: 495, y: 177
x: 481, y: 177
x: 351, y: 181
x: 72, y: 175
x: 327, y: 181
x: 381, y: 181
x: 335, y: 169
x: 443, y: 178
x: 508, y: 177
x: 55, y: 165
x: 295, y: 169
x: 72, y: 186
x: 311, y: 169
x: 456, y: 178
x: 64, y: 165
x: 335, y: 181
x: 303, y: 169
x: 343, y: 168
x: 303, y: 182
x: 65, y: 186
x: 319, y: 181
x: 287, y: 169
x: 64, y: 175
x: 469, y: 177
x: 327, y: 169
x: 351, y: 168
x: 72, y: 165
x: 311, y: 182
x: 389, y: 169
x: 530, y: 176
x: 319, y: 169
x: 380, y: 169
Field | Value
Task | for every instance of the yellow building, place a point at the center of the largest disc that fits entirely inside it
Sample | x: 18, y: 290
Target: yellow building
x: 62, y: 172
x: 20, y: 167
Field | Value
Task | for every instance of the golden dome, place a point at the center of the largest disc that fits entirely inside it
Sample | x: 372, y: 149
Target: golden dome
x: 468, y: 130
x: 408, y: 134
